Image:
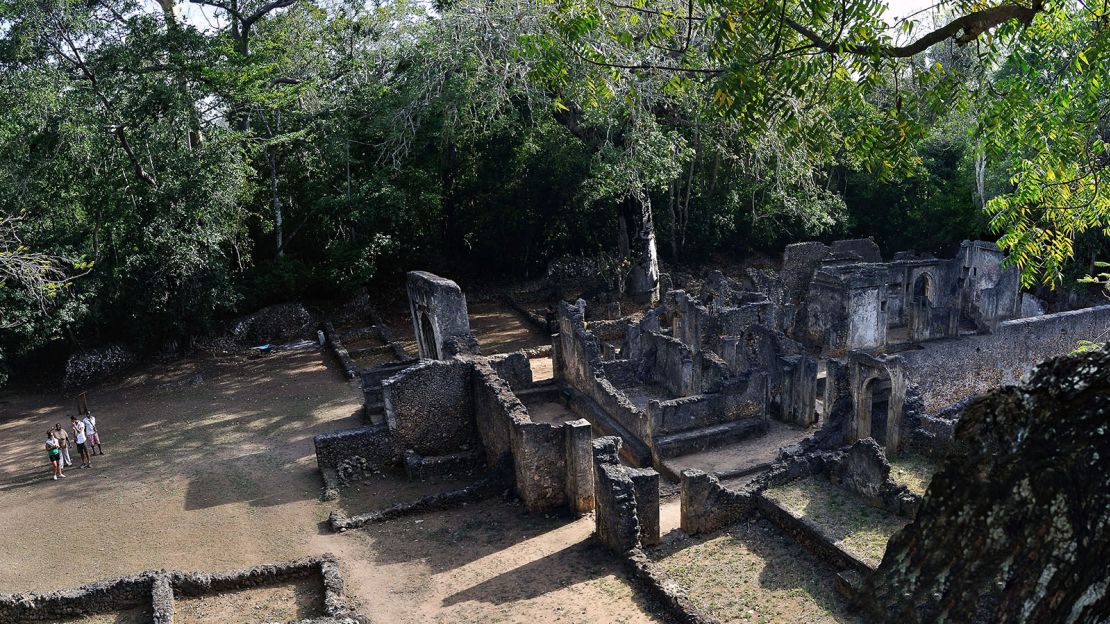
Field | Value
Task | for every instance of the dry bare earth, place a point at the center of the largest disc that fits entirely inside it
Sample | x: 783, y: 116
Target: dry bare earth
x: 217, y: 472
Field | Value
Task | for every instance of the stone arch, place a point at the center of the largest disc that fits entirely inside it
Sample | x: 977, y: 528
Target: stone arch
x: 923, y: 297
x: 878, y: 392
x: 430, y: 347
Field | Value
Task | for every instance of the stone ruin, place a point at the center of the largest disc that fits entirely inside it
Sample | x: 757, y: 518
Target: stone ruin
x: 822, y: 370
x: 439, y: 319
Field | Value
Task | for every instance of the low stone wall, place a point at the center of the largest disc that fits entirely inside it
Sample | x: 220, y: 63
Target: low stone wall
x: 158, y: 588
x: 947, y: 371
x: 490, y: 486
x: 513, y: 368
x: 373, y: 444
x: 704, y: 410
x: 861, y: 469
x: 660, y: 586
x: 335, y: 345
x: 419, y: 467
x: 706, y: 505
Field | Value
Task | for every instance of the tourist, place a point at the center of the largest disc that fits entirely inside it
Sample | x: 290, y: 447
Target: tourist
x: 54, y: 453
x: 91, y: 434
x: 80, y: 438
x: 63, y: 443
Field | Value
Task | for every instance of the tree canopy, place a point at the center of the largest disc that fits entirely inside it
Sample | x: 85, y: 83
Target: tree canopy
x: 188, y: 161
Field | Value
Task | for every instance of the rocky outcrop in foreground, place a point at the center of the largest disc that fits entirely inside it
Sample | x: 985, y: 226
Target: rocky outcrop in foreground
x: 1016, y: 527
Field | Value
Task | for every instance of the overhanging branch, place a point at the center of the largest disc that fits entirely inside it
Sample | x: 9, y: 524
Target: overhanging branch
x: 963, y: 29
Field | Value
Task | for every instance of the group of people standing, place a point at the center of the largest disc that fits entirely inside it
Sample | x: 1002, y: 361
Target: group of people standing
x: 84, y: 436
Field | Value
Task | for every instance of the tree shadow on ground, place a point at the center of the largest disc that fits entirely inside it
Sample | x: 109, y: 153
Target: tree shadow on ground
x: 249, y: 421
x: 449, y: 539
x: 576, y: 563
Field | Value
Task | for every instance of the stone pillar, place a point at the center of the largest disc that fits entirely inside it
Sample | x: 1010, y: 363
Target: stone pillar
x: 615, y: 522
x: 646, y: 484
x: 580, y: 466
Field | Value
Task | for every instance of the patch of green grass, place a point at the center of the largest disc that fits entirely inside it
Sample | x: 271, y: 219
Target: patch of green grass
x: 843, y: 517
x: 913, y: 471
x: 753, y: 573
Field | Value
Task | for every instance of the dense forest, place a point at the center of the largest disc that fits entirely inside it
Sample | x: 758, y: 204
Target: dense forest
x: 165, y: 165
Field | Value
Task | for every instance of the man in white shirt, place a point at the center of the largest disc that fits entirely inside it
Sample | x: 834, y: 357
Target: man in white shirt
x: 80, y: 438
x: 90, y: 432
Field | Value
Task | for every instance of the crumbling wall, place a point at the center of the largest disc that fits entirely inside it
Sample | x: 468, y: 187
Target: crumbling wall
x: 950, y: 370
x: 429, y: 407
x: 155, y: 591
x: 513, y: 368
x: 373, y: 444
x: 626, y: 513
x: 537, y: 450
x: 743, y: 400
x: 1017, y: 527
x: 992, y: 293
x: 706, y: 505
x: 579, y: 363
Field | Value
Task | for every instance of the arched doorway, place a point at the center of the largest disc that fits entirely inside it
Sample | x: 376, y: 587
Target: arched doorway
x: 921, y: 307
x: 877, y: 392
x: 428, y: 337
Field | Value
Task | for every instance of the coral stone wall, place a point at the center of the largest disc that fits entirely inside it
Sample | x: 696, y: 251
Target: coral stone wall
x: 950, y: 370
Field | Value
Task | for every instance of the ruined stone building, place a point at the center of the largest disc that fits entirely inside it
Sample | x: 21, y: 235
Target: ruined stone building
x: 825, y: 369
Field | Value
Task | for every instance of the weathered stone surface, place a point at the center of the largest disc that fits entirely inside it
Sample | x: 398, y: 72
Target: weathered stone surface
x: 706, y: 505
x: 953, y: 370
x: 580, y: 465
x: 863, y: 469
x: 513, y: 368
x: 429, y: 407
x: 373, y: 444
x: 92, y: 365
x: 438, y: 308
x: 1017, y: 527
x: 616, y: 524
x: 646, y: 483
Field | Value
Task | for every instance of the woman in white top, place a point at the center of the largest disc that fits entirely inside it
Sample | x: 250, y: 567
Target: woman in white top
x: 54, y: 453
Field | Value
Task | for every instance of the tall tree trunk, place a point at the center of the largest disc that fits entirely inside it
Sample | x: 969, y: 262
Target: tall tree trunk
x: 637, y: 236
x: 449, y: 208
x: 279, y: 235
x: 673, y: 222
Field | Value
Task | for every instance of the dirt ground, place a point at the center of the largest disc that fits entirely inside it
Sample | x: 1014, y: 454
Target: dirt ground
x: 498, y: 328
x: 210, y: 466
x: 742, y: 456
x: 277, y: 603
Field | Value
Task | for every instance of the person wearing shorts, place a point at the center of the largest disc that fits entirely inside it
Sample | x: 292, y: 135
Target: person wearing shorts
x: 91, y: 435
x: 63, y: 444
x: 54, y: 454
x: 80, y: 438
